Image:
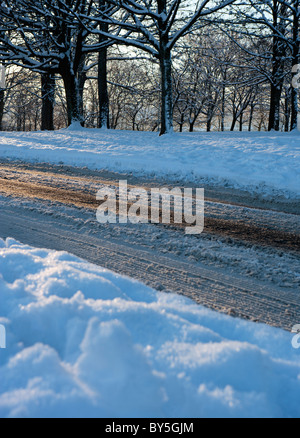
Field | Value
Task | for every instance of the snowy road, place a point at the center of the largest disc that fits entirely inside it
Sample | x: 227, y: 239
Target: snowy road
x: 245, y: 264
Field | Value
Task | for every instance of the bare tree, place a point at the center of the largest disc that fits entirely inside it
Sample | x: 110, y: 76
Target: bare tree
x: 155, y: 27
x: 275, y: 25
x: 46, y: 36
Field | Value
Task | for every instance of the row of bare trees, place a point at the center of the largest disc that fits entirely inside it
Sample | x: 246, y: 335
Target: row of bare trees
x: 150, y: 64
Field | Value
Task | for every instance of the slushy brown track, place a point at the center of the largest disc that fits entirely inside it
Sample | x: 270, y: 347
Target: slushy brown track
x: 18, y: 180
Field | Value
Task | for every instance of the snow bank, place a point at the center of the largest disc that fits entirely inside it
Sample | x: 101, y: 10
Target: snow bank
x: 83, y: 341
x: 262, y: 162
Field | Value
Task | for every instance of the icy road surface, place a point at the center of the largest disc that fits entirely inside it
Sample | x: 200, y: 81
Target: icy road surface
x: 246, y: 263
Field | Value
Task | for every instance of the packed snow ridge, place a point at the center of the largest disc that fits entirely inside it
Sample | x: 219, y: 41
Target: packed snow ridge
x: 266, y: 163
x: 85, y: 342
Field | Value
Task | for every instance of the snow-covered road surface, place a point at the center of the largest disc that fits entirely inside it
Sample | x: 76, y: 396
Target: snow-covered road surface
x: 235, y: 296
x: 237, y: 266
x: 226, y: 213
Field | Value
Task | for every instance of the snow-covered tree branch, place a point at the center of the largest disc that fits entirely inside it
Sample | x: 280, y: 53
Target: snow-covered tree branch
x: 155, y: 27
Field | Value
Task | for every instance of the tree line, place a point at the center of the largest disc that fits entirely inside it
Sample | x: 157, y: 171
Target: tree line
x: 150, y: 64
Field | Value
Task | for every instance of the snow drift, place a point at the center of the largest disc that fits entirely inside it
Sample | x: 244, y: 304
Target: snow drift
x: 85, y: 342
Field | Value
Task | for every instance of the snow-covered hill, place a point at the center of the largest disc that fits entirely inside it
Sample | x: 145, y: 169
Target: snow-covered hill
x: 261, y: 162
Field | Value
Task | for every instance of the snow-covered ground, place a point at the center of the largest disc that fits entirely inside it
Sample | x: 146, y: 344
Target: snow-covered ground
x: 261, y: 162
x: 83, y: 341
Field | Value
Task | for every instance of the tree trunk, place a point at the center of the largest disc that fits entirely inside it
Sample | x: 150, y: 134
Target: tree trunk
x: 48, y: 92
x: 208, y: 124
x: 103, y: 98
x: 278, y: 61
x: 165, y: 60
x: 166, y: 92
x: 251, y: 117
x: 287, y: 111
x: 274, y: 115
x: 1, y: 108
x: 296, y: 61
x: 234, y: 119
x: 81, y: 83
x: 181, y: 123
x: 210, y: 114
x: 223, y: 108
x: 103, y: 119
x: 241, y: 122
x: 294, y: 109
x: 73, y: 98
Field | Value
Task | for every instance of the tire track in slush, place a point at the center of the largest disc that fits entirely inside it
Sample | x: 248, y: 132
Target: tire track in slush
x: 81, y: 192
x: 233, y: 296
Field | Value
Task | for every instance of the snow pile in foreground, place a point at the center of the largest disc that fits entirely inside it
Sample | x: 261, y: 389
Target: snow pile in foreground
x: 83, y: 341
x: 262, y: 162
